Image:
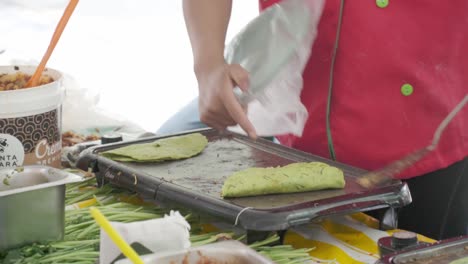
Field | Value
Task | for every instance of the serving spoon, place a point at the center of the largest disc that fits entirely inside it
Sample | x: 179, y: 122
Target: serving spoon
x: 387, y: 174
x: 33, y: 81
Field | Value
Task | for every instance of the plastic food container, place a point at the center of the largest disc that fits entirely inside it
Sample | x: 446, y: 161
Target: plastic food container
x: 226, y: 252
x: 31, y: 121
x: 448, y: 251
x: 32, y: 204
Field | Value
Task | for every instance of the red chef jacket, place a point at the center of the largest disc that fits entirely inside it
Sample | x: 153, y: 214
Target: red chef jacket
x: 401, y: 67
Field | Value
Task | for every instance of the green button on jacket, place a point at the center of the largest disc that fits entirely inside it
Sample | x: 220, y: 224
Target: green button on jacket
x: 407, y: 89
x: 382, y: 3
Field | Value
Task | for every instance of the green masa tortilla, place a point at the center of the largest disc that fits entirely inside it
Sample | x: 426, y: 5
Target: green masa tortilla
x: 293, y: 178
x: 460, y: 261
x: 173, y: 148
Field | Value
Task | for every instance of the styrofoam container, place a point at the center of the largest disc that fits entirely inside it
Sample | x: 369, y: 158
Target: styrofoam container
x: 31, y: 121
x: 225, y: 252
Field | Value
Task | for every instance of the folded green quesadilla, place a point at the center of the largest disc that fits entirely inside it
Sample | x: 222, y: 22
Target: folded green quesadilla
x: 460, y: 261
x: 172, y: 148
x: 293, y: 178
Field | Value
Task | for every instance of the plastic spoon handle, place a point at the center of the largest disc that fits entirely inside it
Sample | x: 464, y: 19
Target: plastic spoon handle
x: 53, y: 42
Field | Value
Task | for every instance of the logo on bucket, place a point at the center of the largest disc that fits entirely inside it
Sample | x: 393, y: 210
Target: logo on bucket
x: 3, y: 144
x: 48, y: 153
x: 37, y: 137
x: 11, y: 151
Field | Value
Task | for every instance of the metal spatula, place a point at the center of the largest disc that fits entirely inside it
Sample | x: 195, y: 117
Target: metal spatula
x: 385, y: 175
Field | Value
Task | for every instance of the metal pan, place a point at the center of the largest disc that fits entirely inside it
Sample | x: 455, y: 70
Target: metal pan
x: 32, y: 206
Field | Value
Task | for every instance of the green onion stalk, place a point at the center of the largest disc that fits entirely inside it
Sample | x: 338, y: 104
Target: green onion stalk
x: 81, y: 240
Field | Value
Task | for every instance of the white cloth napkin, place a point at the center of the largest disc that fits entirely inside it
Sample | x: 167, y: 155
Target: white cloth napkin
x: 157, y: 235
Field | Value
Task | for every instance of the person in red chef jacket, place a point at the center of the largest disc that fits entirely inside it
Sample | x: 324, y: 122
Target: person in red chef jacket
x: 399, y: 68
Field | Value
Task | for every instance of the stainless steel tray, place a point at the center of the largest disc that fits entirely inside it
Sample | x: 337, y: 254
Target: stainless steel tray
x: 226, y: 252
x: 442, y: 252
x: 196, y: 183
x: 32, y: 206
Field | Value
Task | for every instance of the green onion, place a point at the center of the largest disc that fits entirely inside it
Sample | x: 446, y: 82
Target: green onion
x: 81, y: 240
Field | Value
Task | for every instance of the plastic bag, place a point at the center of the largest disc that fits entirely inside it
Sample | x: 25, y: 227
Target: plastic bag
x: 274, y: 48
x: 82, y: 114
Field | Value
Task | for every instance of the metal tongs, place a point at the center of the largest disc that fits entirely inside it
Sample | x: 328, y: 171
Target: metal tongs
x: 385, y: 175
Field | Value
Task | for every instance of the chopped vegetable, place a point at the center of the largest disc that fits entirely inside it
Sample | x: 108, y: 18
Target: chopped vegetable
x: 6, y: 181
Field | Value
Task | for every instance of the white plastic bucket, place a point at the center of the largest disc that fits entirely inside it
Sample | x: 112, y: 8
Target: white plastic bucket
x: 31, y: 121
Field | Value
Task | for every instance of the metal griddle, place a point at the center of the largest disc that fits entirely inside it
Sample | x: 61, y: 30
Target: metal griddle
x: 442, y: 252
x: 196, y: 183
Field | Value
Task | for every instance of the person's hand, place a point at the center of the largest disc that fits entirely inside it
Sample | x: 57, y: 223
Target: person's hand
x: 218, y: 106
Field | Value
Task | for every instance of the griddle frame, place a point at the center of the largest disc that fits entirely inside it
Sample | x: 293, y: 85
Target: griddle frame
x: 159, y: 190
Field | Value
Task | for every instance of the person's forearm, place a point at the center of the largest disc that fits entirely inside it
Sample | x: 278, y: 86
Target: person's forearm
x: 207, y: 22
